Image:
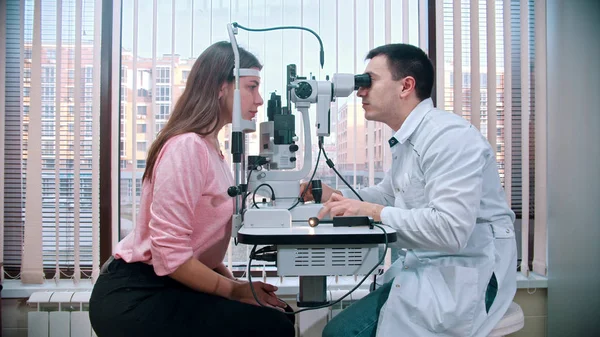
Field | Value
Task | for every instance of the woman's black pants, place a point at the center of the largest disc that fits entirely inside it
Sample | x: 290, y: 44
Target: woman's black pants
x: 130, y: 300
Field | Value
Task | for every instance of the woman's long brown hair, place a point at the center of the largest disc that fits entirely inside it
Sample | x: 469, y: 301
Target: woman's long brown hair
x: 198, y: 109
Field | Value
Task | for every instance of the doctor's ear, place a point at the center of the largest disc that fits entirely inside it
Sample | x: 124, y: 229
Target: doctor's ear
x: 408, y: 85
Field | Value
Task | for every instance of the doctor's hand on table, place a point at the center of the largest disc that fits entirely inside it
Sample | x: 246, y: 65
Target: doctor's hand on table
x: 338, y: 205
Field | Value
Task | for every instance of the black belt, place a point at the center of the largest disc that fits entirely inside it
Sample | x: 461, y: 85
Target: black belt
x: 104, y: 268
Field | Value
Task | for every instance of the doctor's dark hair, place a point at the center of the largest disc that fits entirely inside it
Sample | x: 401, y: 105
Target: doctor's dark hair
x: 198, y: 109
x: 407, y: 60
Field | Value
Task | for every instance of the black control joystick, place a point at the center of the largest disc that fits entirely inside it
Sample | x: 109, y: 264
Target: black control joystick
x: 317, y: 190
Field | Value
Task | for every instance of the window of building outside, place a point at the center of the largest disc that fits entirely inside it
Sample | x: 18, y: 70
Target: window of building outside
x: 88, y: 72
x: 163, y: 93
x: 163, y: 75
x: 27, y: 75
x: 48, y: 92
x: 141, y: 111
x: 141, y: 128
x: 164, y: 110
x: 159, y: 126
x: 49, y: 74
x: 51, y: 54
x: 141, y: 146
x: 49, y: 163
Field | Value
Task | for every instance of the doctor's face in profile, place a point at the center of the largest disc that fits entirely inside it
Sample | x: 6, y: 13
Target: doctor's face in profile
x: 383, y: 95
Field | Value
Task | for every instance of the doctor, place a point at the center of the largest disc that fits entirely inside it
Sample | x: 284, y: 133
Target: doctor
x: 456, y: 271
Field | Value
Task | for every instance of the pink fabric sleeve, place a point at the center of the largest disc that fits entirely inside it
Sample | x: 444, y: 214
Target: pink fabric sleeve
x: 179, y: 176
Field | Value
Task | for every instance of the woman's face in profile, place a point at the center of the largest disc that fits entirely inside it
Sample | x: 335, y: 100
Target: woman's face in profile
x: 249, y: 95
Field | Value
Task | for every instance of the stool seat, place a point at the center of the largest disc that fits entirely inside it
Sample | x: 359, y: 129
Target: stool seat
x: 512, y: 321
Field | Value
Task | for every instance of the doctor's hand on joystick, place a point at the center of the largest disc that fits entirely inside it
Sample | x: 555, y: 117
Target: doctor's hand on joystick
x: 315, y: 188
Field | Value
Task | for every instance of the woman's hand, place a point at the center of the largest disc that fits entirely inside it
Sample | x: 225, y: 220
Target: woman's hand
x: 264, y: 292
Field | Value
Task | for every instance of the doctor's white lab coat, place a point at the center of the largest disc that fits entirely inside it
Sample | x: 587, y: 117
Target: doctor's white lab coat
x: 454, y: 229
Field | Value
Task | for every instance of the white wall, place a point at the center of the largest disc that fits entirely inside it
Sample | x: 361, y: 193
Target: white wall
x: 573, y: 168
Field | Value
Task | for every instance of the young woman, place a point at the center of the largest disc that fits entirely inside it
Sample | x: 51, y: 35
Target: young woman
x: 167, y: 278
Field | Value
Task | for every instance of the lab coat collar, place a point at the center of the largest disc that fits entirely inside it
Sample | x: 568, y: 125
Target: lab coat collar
x: 412, y: 121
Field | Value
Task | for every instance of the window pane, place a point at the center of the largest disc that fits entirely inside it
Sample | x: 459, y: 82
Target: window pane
x: 156, y: 95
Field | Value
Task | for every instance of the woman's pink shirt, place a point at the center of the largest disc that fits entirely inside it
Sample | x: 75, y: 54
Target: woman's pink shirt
x: 184, y: 210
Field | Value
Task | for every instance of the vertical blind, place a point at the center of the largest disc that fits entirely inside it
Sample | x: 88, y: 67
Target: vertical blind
x: 51, y: 114
x: 491, y: 70
x: 2, y: 125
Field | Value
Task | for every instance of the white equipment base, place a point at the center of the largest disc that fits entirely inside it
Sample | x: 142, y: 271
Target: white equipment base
x: 313, y: 253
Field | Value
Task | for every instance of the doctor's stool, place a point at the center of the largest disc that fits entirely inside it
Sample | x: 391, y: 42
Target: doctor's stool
x: 512, y: 321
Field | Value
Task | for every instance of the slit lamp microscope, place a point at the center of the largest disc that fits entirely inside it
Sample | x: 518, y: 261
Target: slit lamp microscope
x: 297, y: 242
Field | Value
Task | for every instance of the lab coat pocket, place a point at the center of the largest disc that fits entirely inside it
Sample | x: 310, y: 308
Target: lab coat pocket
x: 411, y: 189
x: 505, y: 246
x: 446, y: 299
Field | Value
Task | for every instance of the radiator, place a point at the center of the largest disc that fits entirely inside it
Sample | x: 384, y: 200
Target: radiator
x: 59, y: 314
x: 65, y: 314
